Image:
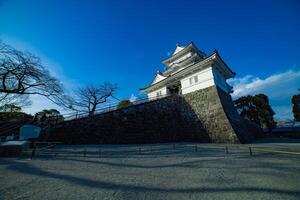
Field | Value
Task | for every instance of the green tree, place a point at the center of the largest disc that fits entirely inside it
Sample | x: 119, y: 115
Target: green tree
x: 257, y: 109
x: 296, y: 107
x: 51, y: 116
x: 10, y: 108
x: 48, y: 113
x: 124, y: 103
x: 246, y: 108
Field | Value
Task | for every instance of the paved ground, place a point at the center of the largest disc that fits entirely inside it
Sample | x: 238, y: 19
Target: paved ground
x: 155, y: 172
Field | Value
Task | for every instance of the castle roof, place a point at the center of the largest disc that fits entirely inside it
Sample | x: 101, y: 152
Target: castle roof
x: 214, y: 58
x: 181, y: 51
x: 178, y: 48
x: 158, y: 77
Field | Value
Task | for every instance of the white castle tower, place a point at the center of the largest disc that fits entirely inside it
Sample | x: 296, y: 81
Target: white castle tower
x: 189, y: 70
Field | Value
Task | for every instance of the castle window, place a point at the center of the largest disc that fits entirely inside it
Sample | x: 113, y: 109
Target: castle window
x: 193, y: 80
x: 158, y: 94
x: 196, y: 79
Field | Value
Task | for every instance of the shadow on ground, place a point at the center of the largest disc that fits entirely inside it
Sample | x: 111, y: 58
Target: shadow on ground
x: 205, y: 162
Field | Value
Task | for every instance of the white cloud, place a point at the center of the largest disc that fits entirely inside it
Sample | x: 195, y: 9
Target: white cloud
x: 278, y: 87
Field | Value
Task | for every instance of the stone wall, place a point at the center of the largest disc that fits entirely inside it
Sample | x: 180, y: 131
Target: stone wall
x: 215, y: 110
x: 151, y: 122
x: 206, y: 115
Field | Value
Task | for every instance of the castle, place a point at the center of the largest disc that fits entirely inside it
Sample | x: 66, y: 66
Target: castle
x: 189, y: 101
x: 189, y: 70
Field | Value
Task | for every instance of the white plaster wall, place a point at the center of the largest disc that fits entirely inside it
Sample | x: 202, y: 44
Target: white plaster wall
x: 205, y: 79
x: 152, y: 95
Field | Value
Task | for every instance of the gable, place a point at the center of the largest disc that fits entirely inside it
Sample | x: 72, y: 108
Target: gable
x: 158, y: 78
x: 178, y: 48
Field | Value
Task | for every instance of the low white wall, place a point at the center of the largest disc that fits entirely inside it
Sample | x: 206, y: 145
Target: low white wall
x: 154, y: 93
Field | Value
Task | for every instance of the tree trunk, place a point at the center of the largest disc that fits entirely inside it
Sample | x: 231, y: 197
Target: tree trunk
x: 92, y: 112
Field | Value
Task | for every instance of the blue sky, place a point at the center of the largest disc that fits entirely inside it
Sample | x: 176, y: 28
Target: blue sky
x: 124, y: 42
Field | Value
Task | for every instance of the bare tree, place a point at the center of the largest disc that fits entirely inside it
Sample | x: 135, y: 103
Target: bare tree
x: 21, y: 73
x: 89, y: 97
x: 16, y: 99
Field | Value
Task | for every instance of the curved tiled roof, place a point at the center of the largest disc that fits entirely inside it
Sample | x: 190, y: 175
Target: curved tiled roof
x: 217, y: 56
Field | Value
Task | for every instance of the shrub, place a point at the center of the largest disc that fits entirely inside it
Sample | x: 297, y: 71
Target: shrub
x: 124, y: 103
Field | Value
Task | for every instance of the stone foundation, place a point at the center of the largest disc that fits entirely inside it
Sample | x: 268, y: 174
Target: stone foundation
x: 215, y: 110
x: 206, y: 115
